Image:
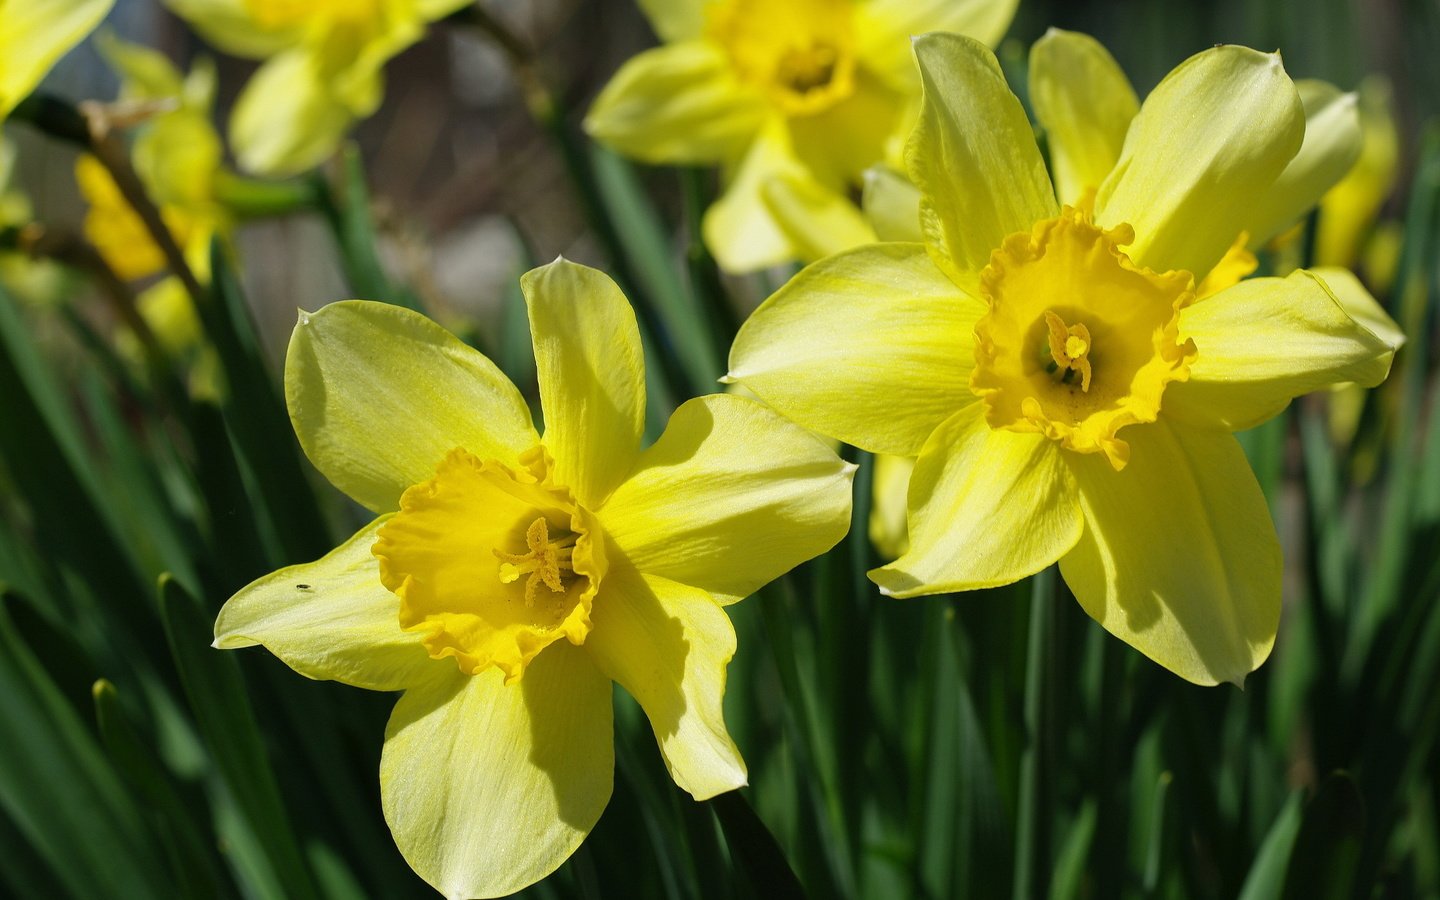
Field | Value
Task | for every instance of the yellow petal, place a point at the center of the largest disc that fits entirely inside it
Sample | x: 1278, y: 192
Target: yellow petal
x: 229, y: 25
x: 729, y: 498
x: 873, y: 347
x: 1085, y: 104
x: 675, y: 20
x: 1210, y: 139
x: 883, y: 29
x: 1265, y: 341
x: 379, y: 395
x: 892, y: 204
x: 1332, y: 144
x: 592, y: 376
x: 986, y: 507
x: 868, y: 126
x: 677, y: 104
x: 888, y: 530
x: 1179, y: 558
x: 289, y: 117
x: 331, y: 619
x: 34, y: 34
x: 488, y: 788
x: 668, y: 645
x: 816, y: 221
x: 1348, y: 211
x: 972, y: 155
x: 145, y: 73
x: 739, y: 228
x: 1360, y: 305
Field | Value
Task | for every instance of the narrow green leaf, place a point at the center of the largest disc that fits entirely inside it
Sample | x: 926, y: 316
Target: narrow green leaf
x: 227, y: 723
x: 1327, y: 847
x: 58, y: 789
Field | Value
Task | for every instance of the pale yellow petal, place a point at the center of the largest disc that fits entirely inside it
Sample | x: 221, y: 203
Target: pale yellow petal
x: 488, y: 788
x: 986, y: 507
x: 331, y: 620
x: 1349, y: 210
x: 883, y: 29
x: 1332, y: 144
x: 1085, y: 104
x: 668, y: 645
x: 816, y: 221
x: 230, y: 26
x: 1268, y: 340
x: 873, y: 347
x: 675, y: 20
x: 1179, y: 558
x: 729, y: 498
x: 677, y: 104
x: 289, y: 117
x: 972, y: 155
x: 34, y: 34
x: 379, y: 394
x: 1210, y: 139
x: 592, y: 375
x: 1360, y: 305
x: 888, y: 530
x: 739, y: 228
x: 892, y: 204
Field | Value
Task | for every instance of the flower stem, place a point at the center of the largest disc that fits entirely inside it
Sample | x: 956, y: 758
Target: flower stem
x: 1032, y: 817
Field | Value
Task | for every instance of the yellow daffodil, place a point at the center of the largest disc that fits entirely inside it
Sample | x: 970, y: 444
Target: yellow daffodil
x: 794, y: 98
x: 34, y: 34
x: 1066, y: 394
x: 323, y: 68
x: 510, y: 578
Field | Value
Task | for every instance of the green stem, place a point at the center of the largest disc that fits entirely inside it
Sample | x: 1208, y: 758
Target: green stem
x: 1032, y: 818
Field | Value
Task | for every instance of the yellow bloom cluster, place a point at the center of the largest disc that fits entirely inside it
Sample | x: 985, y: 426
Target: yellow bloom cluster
x: 1051, y: 356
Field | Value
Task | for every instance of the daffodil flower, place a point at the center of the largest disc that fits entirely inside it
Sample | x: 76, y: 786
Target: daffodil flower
x: 34, y: 34
x: 972, y: 351
x: 795, y: 98
x: 324, y: 62
x: 510, y: 578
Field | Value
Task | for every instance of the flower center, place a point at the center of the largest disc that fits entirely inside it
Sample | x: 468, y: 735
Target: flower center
x: 450, y: 555
x: 543, y: 562
x: 1078, y: 341
x: 1069, y: 348
x: 801, y: 53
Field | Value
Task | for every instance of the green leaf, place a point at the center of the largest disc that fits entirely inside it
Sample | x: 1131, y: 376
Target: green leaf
x: 1327, y: 847
x: 58, y: 789
x: 213, y: 686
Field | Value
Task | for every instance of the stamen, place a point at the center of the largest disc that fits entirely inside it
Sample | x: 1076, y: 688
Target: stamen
x: 1069, y: 350
x: 543, y: 563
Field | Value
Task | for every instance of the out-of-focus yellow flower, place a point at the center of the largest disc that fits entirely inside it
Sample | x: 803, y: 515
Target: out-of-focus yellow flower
x: 1349, y: 209
x: 795, y: 98
x: 510, y: 578
x: 890, y: 487
x: 178, y: 157
x: 1067, y: 395
x: 324, y: 62
x: 34, y: 34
